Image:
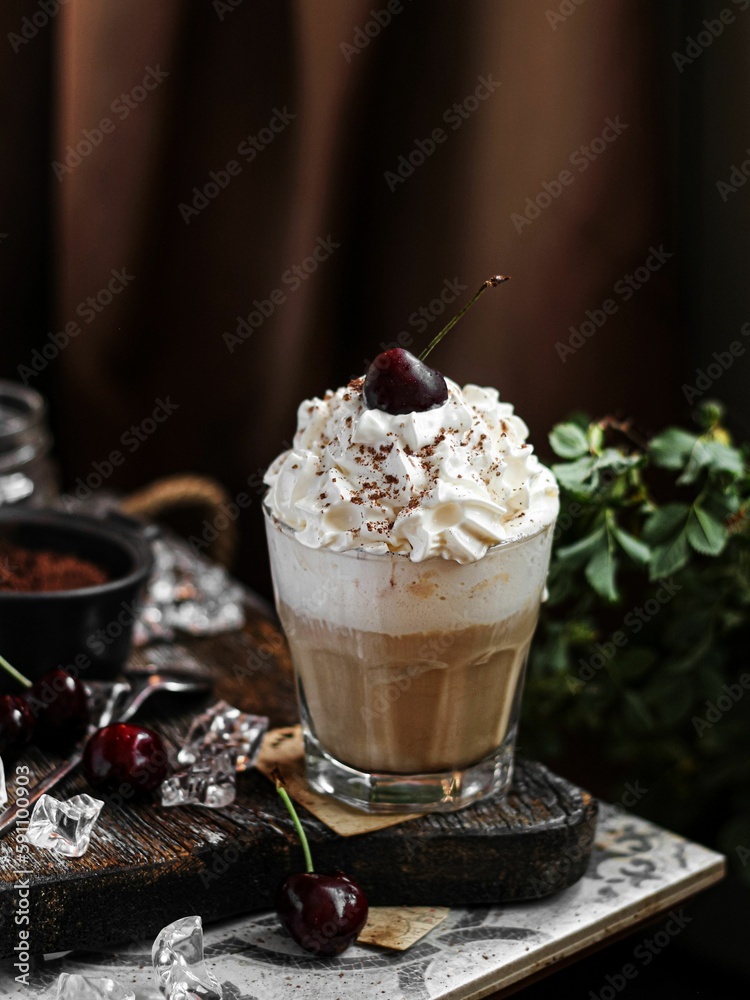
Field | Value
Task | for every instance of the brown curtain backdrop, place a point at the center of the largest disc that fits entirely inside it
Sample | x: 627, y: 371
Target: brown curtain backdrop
x: 297, y: 116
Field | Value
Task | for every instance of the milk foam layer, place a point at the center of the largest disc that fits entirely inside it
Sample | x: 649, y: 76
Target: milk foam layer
x: 397, y: 596
x: 450, y: 482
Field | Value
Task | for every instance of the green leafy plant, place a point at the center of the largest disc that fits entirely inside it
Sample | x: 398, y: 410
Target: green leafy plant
x: 641, y: 665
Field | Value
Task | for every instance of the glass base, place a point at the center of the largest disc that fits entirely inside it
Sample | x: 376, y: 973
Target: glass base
x: 445, y: 791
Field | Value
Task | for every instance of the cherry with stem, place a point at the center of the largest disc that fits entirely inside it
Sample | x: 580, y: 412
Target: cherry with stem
x: 398, y: 382
x: 58, y: 704
x: 323, y: 911
x: 17, y: 722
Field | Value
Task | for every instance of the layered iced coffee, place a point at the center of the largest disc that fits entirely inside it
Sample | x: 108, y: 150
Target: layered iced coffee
x: 409, y: 554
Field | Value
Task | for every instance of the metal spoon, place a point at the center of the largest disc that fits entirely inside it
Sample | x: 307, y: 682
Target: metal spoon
x: 120, y: 703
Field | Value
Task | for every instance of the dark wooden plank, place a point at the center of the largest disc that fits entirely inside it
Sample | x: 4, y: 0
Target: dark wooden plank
x: 147, y: 866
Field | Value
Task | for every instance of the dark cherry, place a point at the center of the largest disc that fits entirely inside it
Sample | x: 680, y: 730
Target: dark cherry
x: 125, y: 754
x: 397, y: 382
x: 16, y: 724
x: 324, y: 912
x: 61, y: 708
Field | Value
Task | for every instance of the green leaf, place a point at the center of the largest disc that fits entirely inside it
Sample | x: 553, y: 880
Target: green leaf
x: 600, y: 571
x: 670, y: 557
x: 636, y: 709
x: 595, y: 436
x: 665, y: 522
x: 721, y: 457
x: 568, y: 441
x: 714, y: 455
x: 577, y: 476
x: 674, y: 702
x: 581, y: 551
x: 671, y: 449
x: 705, y: 533
x: 638, y: 551
x: 611, y: 458
x: 632, y: 664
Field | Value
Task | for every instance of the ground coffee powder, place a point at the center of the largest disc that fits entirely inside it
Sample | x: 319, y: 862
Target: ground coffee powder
x: 37, y: 571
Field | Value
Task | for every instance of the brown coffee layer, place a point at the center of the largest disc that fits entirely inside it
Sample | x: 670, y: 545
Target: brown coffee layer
x: 409, y: 704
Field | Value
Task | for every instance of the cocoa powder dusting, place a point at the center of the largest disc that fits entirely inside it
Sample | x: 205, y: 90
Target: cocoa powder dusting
x: 42, y: 572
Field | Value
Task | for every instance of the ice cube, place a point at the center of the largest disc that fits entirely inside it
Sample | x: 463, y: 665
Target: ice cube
x: 3, y: 788
x: 224, y: 725
x: 74, y: 987
x: 64, y: 827
x: 211, y: 781
x: 179, y: 965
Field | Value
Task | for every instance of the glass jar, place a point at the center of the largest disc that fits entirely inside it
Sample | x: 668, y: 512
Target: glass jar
x: 27, y: 474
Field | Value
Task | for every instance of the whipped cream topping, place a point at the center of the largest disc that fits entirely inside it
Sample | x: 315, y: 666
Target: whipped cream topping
x: 450, y: 481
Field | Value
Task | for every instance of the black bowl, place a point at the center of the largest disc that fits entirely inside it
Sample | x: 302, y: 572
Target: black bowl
x: 87, y: 631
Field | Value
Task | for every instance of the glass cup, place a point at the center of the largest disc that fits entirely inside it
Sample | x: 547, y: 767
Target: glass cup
x: 409, y: 674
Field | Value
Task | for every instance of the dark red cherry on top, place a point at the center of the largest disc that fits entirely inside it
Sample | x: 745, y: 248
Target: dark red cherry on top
x: 60, y: 706
x: 323, y: 912
x: 17, y: 724
x: 397, y: 382
x: 125, y: 754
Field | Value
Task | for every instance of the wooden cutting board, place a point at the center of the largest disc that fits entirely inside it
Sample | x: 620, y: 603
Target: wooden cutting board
x: 147, y: 866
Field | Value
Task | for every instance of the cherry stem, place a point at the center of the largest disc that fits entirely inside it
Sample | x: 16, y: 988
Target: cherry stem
x: 15, y: 673
x: 493, y: 282
x: 295, y: 819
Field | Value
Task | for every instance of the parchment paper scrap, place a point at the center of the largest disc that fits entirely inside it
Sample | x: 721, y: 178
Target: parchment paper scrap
x: 399, y: 927
x: 283, y: 748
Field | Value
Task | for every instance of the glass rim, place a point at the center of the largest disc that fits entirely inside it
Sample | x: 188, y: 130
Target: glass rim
x: 504, y: 544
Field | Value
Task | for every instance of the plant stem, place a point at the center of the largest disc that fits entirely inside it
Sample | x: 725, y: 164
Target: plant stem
x: 14, y: 673
x: 295, y: 819
x: 493, y: 282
